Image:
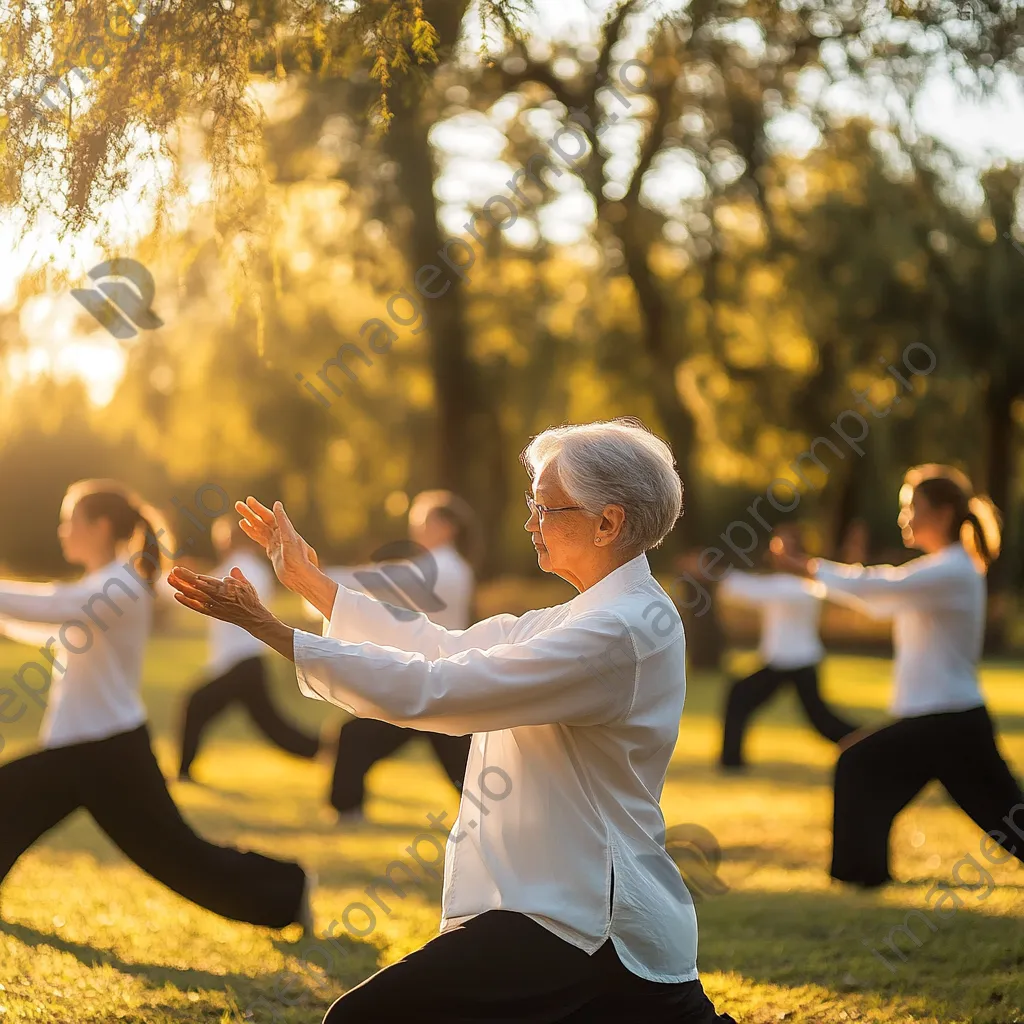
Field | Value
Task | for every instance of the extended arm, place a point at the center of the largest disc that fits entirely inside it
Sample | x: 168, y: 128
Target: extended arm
x: 759, y: 590
x: 45, y: 602
x: 559, y: 676
x: 883, y: 590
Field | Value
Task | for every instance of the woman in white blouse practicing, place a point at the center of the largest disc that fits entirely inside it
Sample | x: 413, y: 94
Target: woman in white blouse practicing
x: 790, y: 648
x: 236, y: 672
x: 560, y: 903
x: 96, y: 746
x: 443, y: 538
x: 943, y: 730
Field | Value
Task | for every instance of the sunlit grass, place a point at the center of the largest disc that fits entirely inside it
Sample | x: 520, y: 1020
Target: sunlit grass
x: 89, y: 938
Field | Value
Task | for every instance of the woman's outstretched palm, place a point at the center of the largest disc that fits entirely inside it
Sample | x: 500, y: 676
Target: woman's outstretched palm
x: 290, y: 555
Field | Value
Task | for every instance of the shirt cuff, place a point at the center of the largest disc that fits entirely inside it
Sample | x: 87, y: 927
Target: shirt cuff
x: 305, y: 647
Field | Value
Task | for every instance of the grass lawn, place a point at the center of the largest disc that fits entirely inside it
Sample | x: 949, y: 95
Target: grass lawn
x: 88, y: 938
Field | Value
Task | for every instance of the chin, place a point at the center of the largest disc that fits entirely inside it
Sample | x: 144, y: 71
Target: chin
x: 544, y: 561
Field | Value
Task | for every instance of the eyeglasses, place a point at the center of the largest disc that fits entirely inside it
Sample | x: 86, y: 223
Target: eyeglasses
x: 542, y: 510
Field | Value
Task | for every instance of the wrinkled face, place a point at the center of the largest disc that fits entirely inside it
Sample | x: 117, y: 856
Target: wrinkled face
x: 564, y: 540
x: 923, y: 525
x: 81, y: 538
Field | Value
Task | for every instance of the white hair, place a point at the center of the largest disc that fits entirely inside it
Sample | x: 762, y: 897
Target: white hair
x: 614, y: 462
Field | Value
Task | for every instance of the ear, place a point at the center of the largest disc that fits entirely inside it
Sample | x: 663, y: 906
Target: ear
x: 610, y: 525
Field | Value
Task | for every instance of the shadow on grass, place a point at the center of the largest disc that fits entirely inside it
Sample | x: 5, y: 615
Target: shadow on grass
x: 154, y: 974
x: 827, y: 938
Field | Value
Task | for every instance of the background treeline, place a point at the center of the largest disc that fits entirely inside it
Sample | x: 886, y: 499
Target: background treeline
x: 735, y: 293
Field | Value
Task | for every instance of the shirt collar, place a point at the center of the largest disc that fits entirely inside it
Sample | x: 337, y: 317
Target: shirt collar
x: 618, y: 581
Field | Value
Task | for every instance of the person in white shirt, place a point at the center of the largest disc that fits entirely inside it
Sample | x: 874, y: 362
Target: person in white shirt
x: 790, y: 648
x: 237, y: 674
x: 96, y: 746
x: 437, y: 580
x: 560, y: 900
x: 942, y: 729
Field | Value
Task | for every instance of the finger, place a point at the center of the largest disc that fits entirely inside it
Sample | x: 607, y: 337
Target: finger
x: 250, y: 516
x: 182, y: 572
x: 237, y: 574
x: 260, y: 510
x: 207, y: 579
x: 207, y: 589
x: 288, y: 531
x: 180, y: 584
x: 187, y: 590
x: 255, y: 531
x: 190, y: 602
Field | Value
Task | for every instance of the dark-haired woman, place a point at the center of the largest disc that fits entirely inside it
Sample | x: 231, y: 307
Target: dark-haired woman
x: 444, y: 532
x: 96, y: 746
x: 942, y: 729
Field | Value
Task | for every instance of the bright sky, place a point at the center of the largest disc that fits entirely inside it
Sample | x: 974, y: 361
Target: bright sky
x: 61, y: 338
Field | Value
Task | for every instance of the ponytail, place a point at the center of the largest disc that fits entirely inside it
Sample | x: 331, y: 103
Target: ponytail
x: 984, y: 538
x: 131, y: 520
x: 977, y: 523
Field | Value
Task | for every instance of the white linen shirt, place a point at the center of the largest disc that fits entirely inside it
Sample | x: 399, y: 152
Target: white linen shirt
x: 790, y: 617
x: 230, y: 644
x: 937, y: 604
x: 100, y: 624
x: 576, y: 714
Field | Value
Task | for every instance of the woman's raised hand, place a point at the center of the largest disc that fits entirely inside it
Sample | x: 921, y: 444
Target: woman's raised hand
x: 289, y: 553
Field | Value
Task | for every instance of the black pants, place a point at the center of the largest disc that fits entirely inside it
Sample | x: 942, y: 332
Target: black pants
x: 119, y: 782
x: 502, y: 966
x: 244, y: 684
x: 747, y: 695
x: 365, y: 741
x: 878, y: 775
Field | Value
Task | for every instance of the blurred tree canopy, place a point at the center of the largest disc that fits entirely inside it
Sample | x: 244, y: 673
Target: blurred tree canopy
x: 671, y: 258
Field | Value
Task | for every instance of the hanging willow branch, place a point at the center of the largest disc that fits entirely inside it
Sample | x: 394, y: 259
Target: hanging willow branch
x: 91, y: 91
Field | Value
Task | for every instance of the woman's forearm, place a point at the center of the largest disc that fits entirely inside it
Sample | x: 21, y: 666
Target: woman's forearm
x: 319, y: 590
x: 276, y: 635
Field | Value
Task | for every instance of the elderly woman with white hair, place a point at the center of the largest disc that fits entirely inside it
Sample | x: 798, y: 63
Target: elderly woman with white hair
x: 560, y: 901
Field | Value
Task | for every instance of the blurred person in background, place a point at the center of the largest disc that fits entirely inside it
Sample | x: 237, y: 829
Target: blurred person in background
x: 561, y: 902
x: 790, y: 648
x: 97, y: 752
x: 445, y: 539
x: 942, y: 729
x: 236, y: 670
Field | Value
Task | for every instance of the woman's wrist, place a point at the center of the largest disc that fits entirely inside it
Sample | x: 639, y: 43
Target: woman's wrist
x: 318, y: 589
x: 276, y: 635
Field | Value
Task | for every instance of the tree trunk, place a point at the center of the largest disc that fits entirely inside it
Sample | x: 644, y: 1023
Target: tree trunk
x: 704, y: 636
x: 675, y: 418
x: 467, y: 429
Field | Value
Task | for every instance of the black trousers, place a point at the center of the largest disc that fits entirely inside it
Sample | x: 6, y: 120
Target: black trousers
x: 365, y: 741
x: 879, y: 774
x: 747, y: 695
x: 502, y: 966
x: 119, y: 782
x: 244, y: 684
